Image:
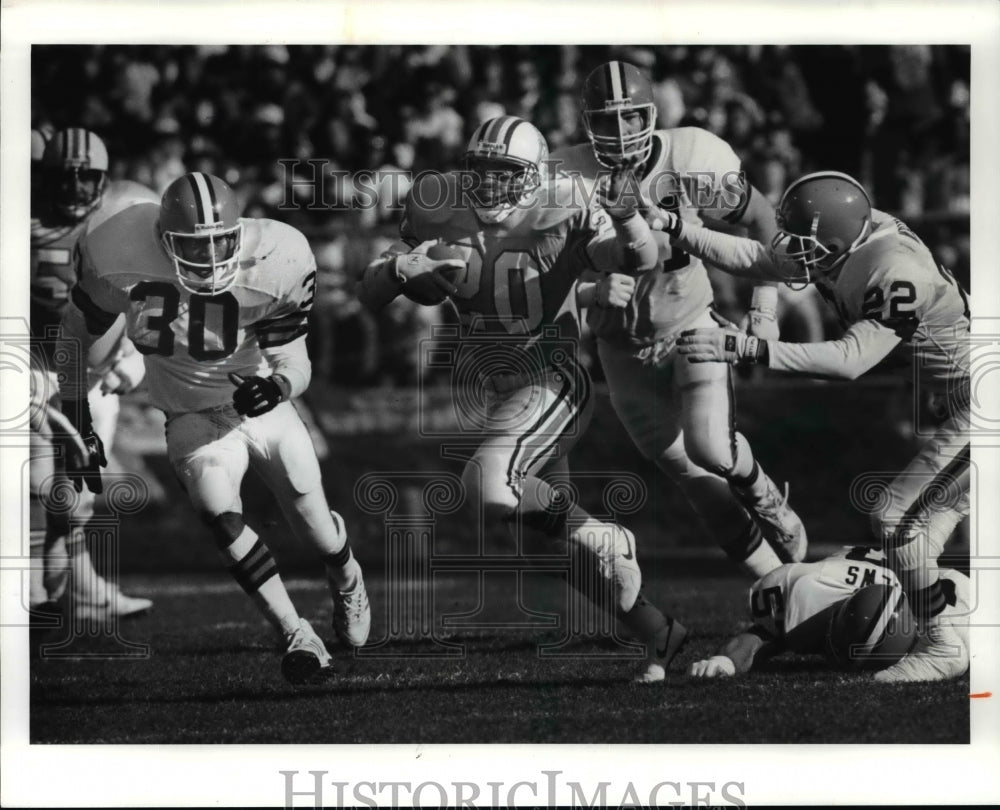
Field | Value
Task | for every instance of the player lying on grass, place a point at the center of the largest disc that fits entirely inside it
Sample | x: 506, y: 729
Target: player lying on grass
x: 218, y: 305
x: 895, y: 303
x: 505, y: 245
x: 849, y: 607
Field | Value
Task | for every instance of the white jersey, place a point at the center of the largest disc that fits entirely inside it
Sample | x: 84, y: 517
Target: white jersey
x: 690, y: 172
x: 785, y: 598
x: 191, y: 342
x: 893, y: 283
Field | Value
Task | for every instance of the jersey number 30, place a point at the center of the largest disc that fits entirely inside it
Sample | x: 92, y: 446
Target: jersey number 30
x: 157, y: 337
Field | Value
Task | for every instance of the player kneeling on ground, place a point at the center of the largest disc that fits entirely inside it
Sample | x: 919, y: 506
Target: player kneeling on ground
x: 849, y: 607
x: 218, y: 306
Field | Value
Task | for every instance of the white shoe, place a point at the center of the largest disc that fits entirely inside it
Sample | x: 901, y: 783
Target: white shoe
x: 352, y: 617
x: 939, y: 655
x: 618, y: 564
x: 115, y: 605
x: 305, y: 655
x: 780, y: 526
x: 661, y: 651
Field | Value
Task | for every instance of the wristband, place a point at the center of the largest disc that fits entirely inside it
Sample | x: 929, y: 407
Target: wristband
x: 765, y: 299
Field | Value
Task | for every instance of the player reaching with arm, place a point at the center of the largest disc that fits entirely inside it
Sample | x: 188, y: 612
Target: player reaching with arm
x: 680, y: 416
x: 71, y: 196
x: 893, y: 299
x: 218, y: 306
x: 519, y: 242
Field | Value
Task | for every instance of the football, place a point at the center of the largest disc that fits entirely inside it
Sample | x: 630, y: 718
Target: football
x: 422, y: 289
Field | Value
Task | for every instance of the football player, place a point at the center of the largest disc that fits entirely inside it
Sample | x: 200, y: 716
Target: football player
x: 70, y: 196
x: 520, y: 242
x: 682, y: 417
x: 849, y: 607
x: 218, y: 306
x: 893, y: 299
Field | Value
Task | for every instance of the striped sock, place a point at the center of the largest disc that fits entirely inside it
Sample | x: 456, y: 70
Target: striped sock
x: 754, y: 484
x: 256, y: 572
x: 748, y: 549
x: 341, y: 568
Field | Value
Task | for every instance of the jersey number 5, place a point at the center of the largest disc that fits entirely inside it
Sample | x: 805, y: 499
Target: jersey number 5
x: 154, y: 334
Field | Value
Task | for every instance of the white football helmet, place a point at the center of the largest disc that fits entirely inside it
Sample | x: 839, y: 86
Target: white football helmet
x: 506, y: 156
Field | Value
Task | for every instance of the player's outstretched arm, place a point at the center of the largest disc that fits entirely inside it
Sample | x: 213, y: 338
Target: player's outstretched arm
x: 737, y: 655
x: 736, y: 255
x: 863, y: 346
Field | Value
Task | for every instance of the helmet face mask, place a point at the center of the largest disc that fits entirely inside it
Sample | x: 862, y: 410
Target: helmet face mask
x: 74, y: 172
x: 504, y: 161
x: 619, y: 115
x: 822, y: 219
x: 201, y: 232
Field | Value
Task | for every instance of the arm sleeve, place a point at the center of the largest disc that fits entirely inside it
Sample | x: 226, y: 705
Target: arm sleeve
x: 282, y: 335
x: 92, y: 310
x: 626, y: 246
x: 379, y: 283
x: 863, y: 345
x: 747, y: 647
x: 291, y: 360
x: 733, y: 254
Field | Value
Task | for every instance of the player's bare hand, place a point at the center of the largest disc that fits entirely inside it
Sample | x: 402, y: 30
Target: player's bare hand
x: 718, y: 666
x: 660, y: 219
x: 620, y: 196
x: 615, y: 290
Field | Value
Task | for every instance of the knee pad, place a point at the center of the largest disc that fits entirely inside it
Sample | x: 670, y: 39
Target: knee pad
x: 489, y: 491
x: 225, y: 528
x: 713, y: 453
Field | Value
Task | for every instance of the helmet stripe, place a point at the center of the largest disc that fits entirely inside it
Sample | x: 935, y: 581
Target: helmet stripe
x: 827, y: 175
x: 213, y: 200
x: 507, y: 131
x: 880, y: 621
x: 86, y: 146
x: 200, y: 198
x: 492, y: 133
x: 616, y: 74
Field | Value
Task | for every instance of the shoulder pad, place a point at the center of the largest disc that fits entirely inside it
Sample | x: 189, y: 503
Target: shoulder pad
x: 434, y: 200
x: 697, y: 149
x: 278, y: 255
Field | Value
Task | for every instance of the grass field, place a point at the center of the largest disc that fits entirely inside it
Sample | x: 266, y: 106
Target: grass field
x: 212, y: 676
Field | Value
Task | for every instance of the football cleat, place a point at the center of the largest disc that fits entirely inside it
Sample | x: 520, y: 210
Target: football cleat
x: 939, y: 655
x: 661, y: 650
x: 352, y: 617
x: 115, y: 605
x: 305, y: 655
x: 942, y: 649
x: 617, y: 564
x: 780, y: 526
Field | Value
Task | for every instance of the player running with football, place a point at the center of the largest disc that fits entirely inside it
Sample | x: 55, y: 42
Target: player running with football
x: 849, y: 607
x: 218, y: 306
x: 520, y: 242
x: 71, y: 196
x: 682, y: 417
x: 893, y: 299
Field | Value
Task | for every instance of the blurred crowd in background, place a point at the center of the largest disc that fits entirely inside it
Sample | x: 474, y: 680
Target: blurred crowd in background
x: 895, y: 117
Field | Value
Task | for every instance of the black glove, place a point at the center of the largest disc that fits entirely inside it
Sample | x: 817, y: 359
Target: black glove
x: 255, y: 396
x: 82, y: 469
